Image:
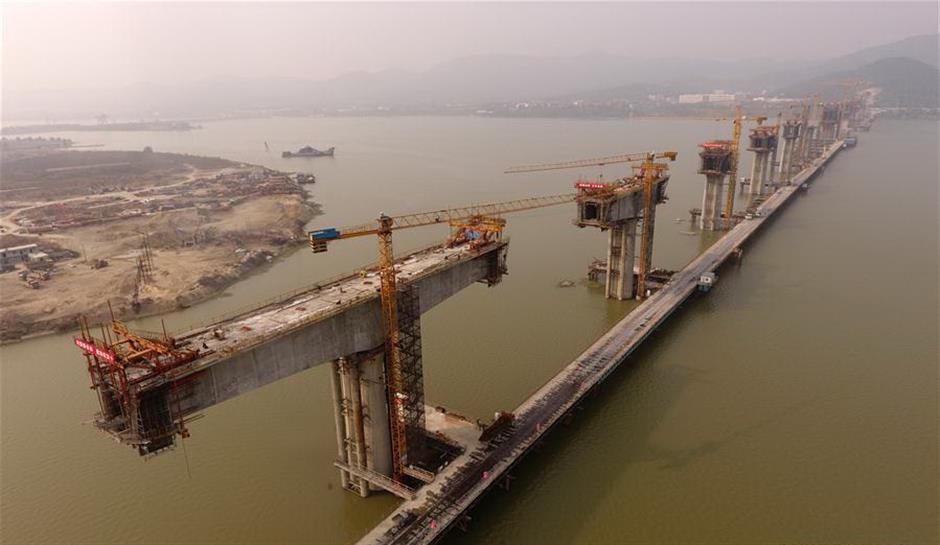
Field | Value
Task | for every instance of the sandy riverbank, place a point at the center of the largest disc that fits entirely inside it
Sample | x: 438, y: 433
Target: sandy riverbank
x: 195, y: 252
x: 249, y: 236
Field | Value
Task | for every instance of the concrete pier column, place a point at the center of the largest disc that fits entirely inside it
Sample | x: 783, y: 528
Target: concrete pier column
x: 757, y: 175
x: 791, y: 148
x: 621, y: 249
x: 766, y: 177
x: 340, y: 422
x: 783, y: 169
x: 712, y: 202
x: 757, y: 170
x: 647, y: 255
x: 374, y: 396
x: 771, y: 176
x: 351, y: 424
x: 357, y: 444
x: 806, y: 141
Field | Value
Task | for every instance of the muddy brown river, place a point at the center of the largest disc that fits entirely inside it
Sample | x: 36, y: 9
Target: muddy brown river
x: 795, y: 403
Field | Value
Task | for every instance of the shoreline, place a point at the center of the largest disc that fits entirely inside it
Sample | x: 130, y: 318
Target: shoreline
x: 218, y: 226
x: 166, y: 307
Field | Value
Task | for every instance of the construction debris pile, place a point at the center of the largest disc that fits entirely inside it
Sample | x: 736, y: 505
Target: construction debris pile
x: 220, y: 192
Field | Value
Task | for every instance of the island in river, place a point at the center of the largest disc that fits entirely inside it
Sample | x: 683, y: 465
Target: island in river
x: 146, y: 232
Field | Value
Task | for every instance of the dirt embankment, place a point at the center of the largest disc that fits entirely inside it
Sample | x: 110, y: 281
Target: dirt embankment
x: 202, y: 231
x: 194, y: 256
x: 69, y: 173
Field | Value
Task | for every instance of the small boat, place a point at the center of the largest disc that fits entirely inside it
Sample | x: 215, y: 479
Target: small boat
x: 308, y: 151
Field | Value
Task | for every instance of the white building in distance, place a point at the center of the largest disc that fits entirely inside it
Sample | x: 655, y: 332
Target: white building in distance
x: 718, y: 97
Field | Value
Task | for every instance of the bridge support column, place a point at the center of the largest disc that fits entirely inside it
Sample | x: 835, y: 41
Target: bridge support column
x: 757, y: 175
x: 340, y: 421
x: 375, y: 413
x: 621, y: 249
x: 646, y: 257
x: 360, y: 405
x: 712, y: 202
x: 767, y: 177
x: 783, y: 169
x: 355, y: 429
x: 770, y: 175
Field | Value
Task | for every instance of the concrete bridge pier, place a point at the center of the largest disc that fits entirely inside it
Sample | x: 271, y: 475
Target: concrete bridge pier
x: 712, y: 202
x: 339, y: 420
x: 621, y: 251
x: 807, y: 135
x: 769, y: 176
x: 361, y: 418
x: 830, y: 122
x: 716, y: 166
x: 763, y: 140
x: 619, y: 212
x: 782, y: 168
x: 757, y: 174
x: 791, y: 135
x: 375, y: 414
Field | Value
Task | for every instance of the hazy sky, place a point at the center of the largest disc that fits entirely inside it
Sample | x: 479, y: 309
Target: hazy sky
x: 87, y: 45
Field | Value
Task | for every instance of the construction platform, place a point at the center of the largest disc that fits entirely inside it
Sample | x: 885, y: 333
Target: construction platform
x: 317, y: 303
x: 444, y: 504
x: 309, y: 327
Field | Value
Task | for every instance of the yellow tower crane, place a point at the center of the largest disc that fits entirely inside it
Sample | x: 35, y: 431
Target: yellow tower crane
x: 733, y: 173
x: 597, y: 161
x: 737, y: 124
x: 474, y: 224
x: 649, y: 172
x: 737, y: 121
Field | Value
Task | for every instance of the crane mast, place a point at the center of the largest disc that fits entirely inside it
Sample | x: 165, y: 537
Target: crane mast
x: 773, y: 152
x: 651, y: 171
x: 733, y: 174
x: 466, y: 221
x: 395, y: 381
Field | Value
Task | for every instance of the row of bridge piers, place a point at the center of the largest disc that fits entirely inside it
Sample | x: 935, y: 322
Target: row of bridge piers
x: 796, y: 142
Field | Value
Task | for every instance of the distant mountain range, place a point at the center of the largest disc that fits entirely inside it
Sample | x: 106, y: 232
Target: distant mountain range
x: 905, y: 82
x: 906, y: 68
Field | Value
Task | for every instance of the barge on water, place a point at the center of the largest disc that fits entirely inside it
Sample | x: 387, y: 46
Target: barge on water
x: 308, y: 151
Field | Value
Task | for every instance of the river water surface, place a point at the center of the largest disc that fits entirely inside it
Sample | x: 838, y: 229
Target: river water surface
x: 796, y: 403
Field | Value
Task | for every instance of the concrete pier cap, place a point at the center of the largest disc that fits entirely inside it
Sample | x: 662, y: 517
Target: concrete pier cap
x: 715, y: 164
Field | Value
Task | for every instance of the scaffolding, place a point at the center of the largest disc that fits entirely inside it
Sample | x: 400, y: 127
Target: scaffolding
x: 412, y: 373
x: 118, y: 361
x: 715, y: 158
x: 144, y: 262
x: 763, y: 139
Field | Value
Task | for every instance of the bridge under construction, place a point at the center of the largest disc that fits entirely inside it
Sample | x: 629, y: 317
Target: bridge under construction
x: 366, y: 326
x: 446, y: 504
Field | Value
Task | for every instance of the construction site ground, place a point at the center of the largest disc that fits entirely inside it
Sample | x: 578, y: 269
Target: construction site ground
x: 224, y: 223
